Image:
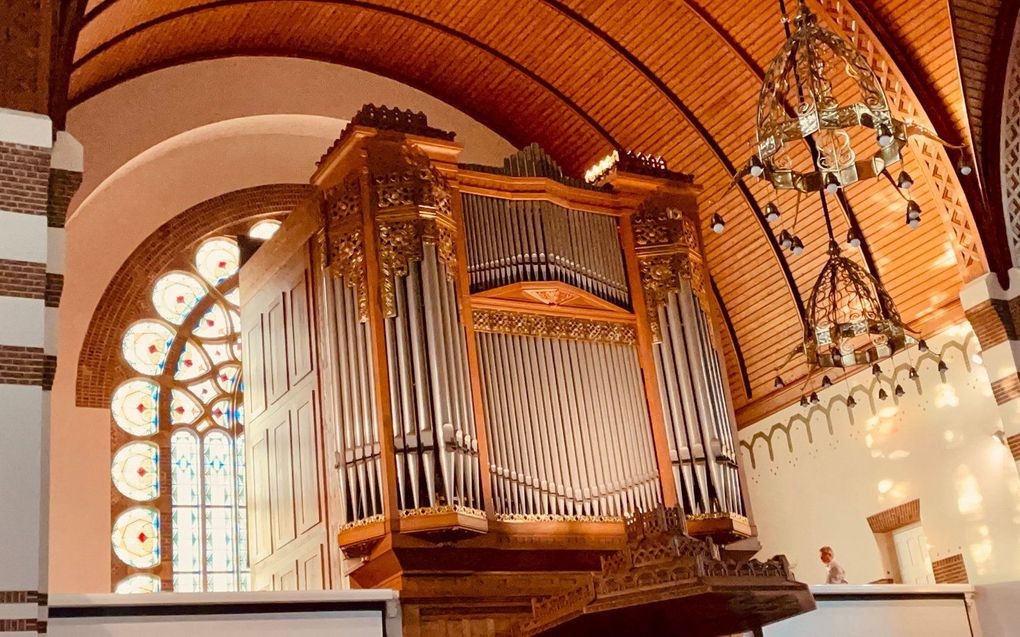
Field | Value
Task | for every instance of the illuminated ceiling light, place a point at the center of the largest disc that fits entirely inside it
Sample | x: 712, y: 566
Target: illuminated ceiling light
x: 771, y: 212
x: 755, y: 167
x: 850, y: 401
x: 943, y: 368
x: 882, y: 394
x: 913, y: 375
x: 831, y: 183
x: 884, y: 134
x: 814, y: 398
x: 904, y: 181
x: 803, y: 401
x: 718, y: 223
x: 779, y: 382
x: 964, y: 165
x: 785, y: 240
x: 852, y: 239
x: 922, y: 345
x: 899, y: 391
x: 826, y: 382
x: 876, y: 369
x: 796, y: 246
x: 913, y: 214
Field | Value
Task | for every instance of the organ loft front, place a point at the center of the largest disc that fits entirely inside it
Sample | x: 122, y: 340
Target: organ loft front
x: 500, y: 391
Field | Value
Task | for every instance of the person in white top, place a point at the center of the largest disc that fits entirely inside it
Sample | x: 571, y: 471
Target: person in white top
x: 836, y: 574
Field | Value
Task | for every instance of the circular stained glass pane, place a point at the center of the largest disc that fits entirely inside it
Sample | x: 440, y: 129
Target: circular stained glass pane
x: 264, y: 230
x: 145, y: 345
x: 215, y: 324
x: 140, y: 583
x: 192, y: 362
x: 136, y: 537
x: 135, y: 471
x: 217, y: 259
x: 175, y: 295
x: 228, y: 376
x: 135, y: 407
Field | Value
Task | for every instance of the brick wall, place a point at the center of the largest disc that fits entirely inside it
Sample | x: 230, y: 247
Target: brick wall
x: 126, y: 298
x: 950, y: 570
x: 24, y: 178
x: 897, y: 517
x: 61, y: 187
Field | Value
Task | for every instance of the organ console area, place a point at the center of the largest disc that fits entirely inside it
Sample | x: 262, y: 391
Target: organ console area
x: 498, y: 390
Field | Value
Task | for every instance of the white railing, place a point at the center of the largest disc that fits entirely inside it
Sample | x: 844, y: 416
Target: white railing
x: 354, y: 613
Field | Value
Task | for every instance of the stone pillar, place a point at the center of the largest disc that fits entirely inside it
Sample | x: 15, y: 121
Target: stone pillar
x: 37, y: 179
x: 994, y: 314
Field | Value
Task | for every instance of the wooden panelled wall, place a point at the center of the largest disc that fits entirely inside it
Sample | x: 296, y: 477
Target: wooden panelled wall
x: 447, y: 353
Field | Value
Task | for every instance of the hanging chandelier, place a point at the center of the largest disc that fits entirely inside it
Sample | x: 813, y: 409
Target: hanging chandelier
x: 823, y: 123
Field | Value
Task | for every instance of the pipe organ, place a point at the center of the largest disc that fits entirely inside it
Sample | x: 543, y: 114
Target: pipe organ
x: 509, y: 364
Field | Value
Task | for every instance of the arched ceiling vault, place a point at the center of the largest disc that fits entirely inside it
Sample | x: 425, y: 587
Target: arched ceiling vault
x: 677, y: 78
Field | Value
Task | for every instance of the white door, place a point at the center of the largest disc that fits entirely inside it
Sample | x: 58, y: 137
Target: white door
x: 912, y: 554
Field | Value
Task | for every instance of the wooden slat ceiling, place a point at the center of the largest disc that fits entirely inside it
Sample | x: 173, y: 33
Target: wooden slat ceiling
x: 676, y: 78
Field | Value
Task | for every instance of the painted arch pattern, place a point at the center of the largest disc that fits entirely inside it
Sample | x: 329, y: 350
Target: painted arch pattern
x: 179, y: 515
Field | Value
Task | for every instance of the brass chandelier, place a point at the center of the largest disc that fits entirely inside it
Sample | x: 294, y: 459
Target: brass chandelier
x: 824, y: 123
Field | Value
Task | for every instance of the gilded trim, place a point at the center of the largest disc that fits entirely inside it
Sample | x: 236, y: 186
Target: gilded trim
x: 578, y: 329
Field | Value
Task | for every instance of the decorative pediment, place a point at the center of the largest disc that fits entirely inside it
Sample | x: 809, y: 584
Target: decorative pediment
x: 549, y: 297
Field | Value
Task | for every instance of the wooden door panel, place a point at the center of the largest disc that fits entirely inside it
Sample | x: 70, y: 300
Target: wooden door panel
x: 287, y: 580
x: 259, y: 504
x: 276, y: 351
x: 300, y: 330
x: 306, y: 470
x: 313, y: 569
x: 254, y: 369
x: 282, y: 472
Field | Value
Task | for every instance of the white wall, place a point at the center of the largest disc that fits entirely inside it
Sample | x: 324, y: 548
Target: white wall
x: 153, y: 147
x: 815, y: 474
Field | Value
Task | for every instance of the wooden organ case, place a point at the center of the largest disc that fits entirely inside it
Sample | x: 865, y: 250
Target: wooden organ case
x: 485, y: 386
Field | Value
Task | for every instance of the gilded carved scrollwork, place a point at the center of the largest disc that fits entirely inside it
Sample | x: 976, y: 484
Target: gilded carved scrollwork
x: 668, y: 251
x: 413, y: 209
x: 521, y: 324
x: 344, y: 244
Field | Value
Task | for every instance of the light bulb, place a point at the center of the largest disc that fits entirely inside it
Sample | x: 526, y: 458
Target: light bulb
x: 882, y: 394
x: 718, y: 224
x: 850, y: 402
x: 922, y: 345
x: 912, y: 374
x: 832, y: 184
x: 899, y: 391
x: 904, y: 181
x: 964, y: 165
x: 884, y: 134
x: 852, y: 239
x: 779, y: 382
x: 771, y: 212
x: 913, y: 210
x: 876, y: 369
x: 785, y: 240
x: 943, y: 368
x: 826, y: 382
x: 814, y: 398
x: 755, y: 167
x: 803, y: 401
x: 796, y: 246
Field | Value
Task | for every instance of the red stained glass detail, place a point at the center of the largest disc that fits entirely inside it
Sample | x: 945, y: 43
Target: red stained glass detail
x: 179, y: 409
x: 141, y: 407
x: 223, y: 264
x: 152, y: 349
x: 210, y: 322
x: 180, y: 298
x: 217, y: 412
x: 142, y: 471
x: 188, y: 362
x: 142, y: 537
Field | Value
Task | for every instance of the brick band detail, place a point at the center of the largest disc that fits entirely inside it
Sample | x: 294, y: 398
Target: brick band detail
x: 21, y: 597
x: 54, y: 288
x: 1006, y: 389
x: 995, y: 321
x: 21, y: 365
x: 897, y: 517
x: 1014, y: 446
x: 22, y: 625
x: 24, y: 178
x: 62, y: 186
x: 950, y: 570
x: 22, y: 279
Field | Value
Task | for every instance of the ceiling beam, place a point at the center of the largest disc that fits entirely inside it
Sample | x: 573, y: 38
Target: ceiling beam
x: 360, y: 4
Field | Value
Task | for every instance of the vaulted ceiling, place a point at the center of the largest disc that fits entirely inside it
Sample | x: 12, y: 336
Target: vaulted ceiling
x: 677, y: 78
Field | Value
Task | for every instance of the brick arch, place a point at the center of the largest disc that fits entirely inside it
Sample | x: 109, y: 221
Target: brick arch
x: 126, y: 297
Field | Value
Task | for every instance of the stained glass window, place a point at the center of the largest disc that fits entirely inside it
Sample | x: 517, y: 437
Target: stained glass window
x: 189, y: 356
x: 264, y: 230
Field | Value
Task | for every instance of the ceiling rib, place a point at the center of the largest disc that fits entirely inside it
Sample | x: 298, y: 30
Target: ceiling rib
x: 709, y: 141
x: 194, y: 9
